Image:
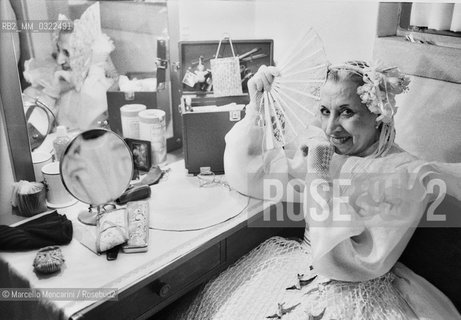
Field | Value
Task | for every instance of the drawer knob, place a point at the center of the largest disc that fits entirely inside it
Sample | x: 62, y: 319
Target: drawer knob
x: 161, y: 288
x: 164, y: 290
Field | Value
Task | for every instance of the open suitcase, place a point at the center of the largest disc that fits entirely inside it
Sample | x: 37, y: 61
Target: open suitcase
x: 206, y: 119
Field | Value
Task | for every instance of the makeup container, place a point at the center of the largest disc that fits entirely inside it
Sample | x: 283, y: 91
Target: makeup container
x: 130, y: 121
x: 152, y: 127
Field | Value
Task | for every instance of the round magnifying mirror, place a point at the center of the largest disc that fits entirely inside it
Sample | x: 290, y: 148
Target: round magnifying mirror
x: 96, y: 168
x: 39, y: 119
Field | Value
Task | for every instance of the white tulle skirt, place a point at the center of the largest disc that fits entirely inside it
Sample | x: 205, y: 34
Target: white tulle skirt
x: 265, y: 285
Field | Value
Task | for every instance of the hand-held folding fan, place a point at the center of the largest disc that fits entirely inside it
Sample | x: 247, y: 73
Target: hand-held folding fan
x: 289, y: 105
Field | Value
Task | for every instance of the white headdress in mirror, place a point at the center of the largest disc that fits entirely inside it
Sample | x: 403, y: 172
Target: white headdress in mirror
x: 88, y: 44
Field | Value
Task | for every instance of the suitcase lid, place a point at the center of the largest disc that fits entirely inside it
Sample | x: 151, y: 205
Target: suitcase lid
x: 252, y: 54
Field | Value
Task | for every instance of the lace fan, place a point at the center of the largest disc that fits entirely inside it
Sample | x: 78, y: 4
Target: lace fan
x: 289, y: 106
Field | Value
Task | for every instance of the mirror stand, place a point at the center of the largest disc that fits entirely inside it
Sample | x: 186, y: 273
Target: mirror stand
x: 96, y: 168
x: 90, y: 217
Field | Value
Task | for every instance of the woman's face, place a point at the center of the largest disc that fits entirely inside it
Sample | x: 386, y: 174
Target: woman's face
x: 349, y: 125
x: 63, y: 50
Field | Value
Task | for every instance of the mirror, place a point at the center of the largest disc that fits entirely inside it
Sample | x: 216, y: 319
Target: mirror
x: 96, y: 168
x: 137, y: 30
x: 40, y: 121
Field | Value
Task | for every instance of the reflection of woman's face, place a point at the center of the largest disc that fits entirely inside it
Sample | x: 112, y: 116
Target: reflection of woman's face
x: 349, y: 125
x: 63, y: 45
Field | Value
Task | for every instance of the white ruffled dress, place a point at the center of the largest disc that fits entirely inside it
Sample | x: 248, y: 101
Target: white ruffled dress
x: 339, y: 271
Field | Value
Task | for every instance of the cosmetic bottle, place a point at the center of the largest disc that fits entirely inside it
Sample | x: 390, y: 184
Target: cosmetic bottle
x: 61, y: 142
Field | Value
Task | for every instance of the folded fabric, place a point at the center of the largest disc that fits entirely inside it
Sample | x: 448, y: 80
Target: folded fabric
x: 48, y: 230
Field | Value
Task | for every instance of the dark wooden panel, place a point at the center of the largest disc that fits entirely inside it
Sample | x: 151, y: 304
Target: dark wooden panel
x: 434, y: 251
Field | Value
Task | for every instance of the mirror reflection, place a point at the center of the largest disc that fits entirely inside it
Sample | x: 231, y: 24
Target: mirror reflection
x: 97, y: 167
x: 72, y: 81
x: 99, y: 53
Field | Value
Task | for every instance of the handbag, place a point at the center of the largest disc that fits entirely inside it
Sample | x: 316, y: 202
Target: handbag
x: 225, y: 73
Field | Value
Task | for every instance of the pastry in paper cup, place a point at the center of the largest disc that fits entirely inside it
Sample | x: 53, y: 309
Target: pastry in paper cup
x: 110, y: 237
x: 48, y: 260
x: 112, y: 229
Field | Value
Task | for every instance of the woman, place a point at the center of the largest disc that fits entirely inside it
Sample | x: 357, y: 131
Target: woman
x: 74, y: 86
x: 346, y: 266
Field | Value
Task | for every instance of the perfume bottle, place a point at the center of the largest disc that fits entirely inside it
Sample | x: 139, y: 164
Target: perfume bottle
x: 61, y: 142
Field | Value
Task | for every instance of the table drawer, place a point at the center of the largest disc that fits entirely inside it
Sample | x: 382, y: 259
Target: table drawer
x: 162, y: 290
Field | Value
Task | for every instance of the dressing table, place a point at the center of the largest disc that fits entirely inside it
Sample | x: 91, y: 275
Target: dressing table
x: 145, y: 283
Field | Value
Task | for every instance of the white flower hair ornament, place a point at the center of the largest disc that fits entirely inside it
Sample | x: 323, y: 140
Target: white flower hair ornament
x: 381, y: 85
x: 380, y: 88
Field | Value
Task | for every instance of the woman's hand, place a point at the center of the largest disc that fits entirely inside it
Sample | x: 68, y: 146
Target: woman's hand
x: 62, y: 81
x: 260, y: 82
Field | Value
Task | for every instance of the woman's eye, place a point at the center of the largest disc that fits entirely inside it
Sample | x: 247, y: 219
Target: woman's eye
x: 324, y: 111
x: 63, y: 51
x: 347, y: 113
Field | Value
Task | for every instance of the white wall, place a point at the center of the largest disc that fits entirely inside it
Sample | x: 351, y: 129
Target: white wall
x: 41, y: 42
x: 347, y: 28
x: 209, y: 20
